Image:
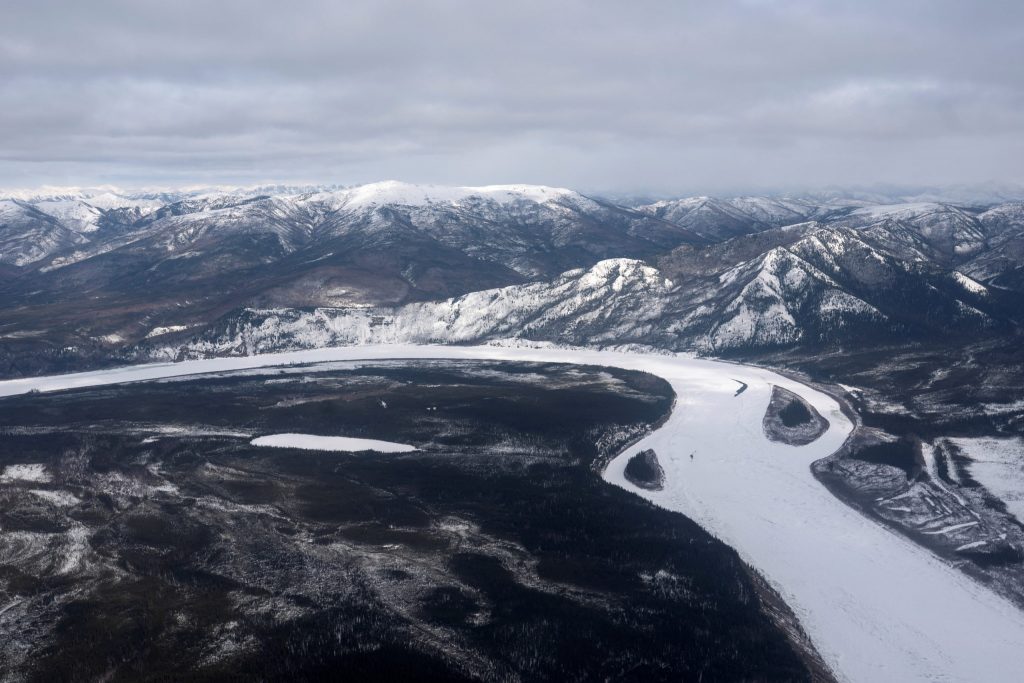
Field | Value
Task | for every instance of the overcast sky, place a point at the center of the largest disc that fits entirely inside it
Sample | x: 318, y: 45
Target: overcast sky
x: 670, y: 96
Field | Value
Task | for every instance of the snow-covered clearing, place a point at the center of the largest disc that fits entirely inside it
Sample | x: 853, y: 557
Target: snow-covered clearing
x: 998, y: 465
x: 58, y: 498
x: 32, y: 472
x: 970, y: 284
x: 165, y: 329
x: 312, y: 442
x: 877, y: 606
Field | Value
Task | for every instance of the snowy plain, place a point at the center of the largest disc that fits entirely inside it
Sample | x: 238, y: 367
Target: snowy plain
x: 877, y: 606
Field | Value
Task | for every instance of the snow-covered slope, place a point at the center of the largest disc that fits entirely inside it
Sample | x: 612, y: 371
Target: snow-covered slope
x: 74, y: 214
x: 393, y: 192
x: 824, y: 286
x: 536, y: 231
x: 718, y: 219
x: 783, y: 299
x: 1003, y: 262
x: 814, y: 284
x: 811, y: 292
x: 721, y: 218
x: 28, y: 235
x: 944, y: 232
x: 747, y: 272
x: 619, y: 301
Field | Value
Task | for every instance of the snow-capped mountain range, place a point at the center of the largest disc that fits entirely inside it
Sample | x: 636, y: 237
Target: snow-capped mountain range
x: 235, y: 269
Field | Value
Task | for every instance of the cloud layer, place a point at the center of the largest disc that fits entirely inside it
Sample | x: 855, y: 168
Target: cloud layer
x: 642, y: 96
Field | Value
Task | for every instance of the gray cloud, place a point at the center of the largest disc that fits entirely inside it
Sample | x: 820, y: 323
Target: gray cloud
x: 659, y: 96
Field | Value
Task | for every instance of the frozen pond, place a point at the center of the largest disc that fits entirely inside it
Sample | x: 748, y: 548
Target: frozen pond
x: 312, y: 442
x: 877, y: 606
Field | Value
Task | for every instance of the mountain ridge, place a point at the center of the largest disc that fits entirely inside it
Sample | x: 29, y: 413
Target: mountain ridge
x: 747, y: 273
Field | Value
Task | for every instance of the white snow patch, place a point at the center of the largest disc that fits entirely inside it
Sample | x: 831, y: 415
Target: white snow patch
x: 165, y: 329
x: 970, y: 284
x: 189, y: 430
x: 58, y: 498
x: 312, y: 442
x: 31, y: 472
x: 951, y: 528
x: 998, y: 465
x: 972, y: 544
x: 74, y: 550
x: 1003, y: 408
x: 836, y: 302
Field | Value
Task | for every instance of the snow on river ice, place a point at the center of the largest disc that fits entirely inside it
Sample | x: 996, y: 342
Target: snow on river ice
x: 877, y: 606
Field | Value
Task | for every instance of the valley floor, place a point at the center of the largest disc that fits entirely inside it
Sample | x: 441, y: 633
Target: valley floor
x: 877, y: 606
